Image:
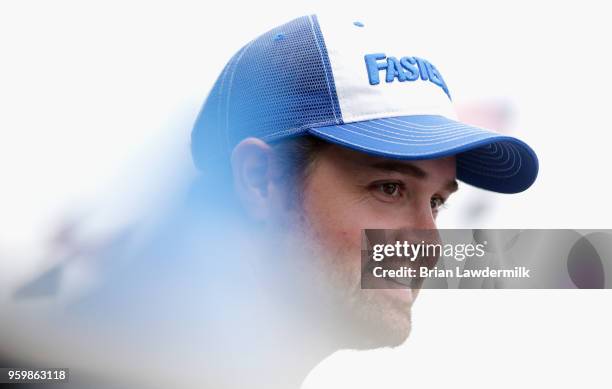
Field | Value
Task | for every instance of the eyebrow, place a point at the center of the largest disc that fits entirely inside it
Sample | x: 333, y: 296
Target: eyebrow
x: 404, y: 168
x: 411, y: 170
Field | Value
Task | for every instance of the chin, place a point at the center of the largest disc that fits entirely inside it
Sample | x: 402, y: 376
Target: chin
x: 379, y: 319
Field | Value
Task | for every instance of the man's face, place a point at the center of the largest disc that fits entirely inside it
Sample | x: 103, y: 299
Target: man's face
x: 348, y: 191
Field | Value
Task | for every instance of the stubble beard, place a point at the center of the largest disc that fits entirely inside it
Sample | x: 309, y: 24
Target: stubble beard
x: 360, y: 318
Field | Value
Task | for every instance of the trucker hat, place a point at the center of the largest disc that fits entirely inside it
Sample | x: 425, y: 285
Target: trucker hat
x: 361, y: 87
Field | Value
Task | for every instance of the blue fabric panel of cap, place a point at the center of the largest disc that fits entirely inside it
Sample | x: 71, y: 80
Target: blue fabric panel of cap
x: 279, y: 84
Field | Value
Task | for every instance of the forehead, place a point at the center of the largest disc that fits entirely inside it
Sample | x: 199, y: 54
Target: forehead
x: 359, y: 162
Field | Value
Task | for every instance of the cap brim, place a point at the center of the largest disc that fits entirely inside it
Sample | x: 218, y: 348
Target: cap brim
x: 485, y: 159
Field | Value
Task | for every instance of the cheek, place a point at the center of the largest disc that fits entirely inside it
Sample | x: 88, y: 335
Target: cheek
x: 338, y: 218
x: 333, y: 219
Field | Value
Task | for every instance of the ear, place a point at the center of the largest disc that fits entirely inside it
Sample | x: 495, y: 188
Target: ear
x: 252, y: 167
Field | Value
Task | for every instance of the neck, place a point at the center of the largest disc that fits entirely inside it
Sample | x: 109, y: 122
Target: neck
x: 293, y: 342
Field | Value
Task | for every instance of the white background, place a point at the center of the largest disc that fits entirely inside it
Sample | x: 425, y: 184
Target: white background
x: 97, y: 100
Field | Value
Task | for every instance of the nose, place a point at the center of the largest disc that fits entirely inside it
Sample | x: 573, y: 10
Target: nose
x: 421, y: 217
x: 420, y: 226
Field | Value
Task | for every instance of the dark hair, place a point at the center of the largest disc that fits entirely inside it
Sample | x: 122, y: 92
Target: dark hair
x: 297, y: 156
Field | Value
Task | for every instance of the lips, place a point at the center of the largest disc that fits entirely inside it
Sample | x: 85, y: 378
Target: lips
x: 402, y: 281
x: 398, y: 291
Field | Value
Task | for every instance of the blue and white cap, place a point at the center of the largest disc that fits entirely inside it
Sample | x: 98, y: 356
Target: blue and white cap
x: 348, y: 84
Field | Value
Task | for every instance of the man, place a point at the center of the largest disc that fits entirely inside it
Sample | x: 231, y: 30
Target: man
x: 330, y: 129
x: 313, y: 132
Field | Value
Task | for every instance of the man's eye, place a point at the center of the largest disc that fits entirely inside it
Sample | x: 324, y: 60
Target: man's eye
x: 436, y: 203
x: 390, y: 189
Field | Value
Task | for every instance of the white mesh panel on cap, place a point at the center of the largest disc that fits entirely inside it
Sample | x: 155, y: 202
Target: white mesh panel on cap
x: 347, y: 44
